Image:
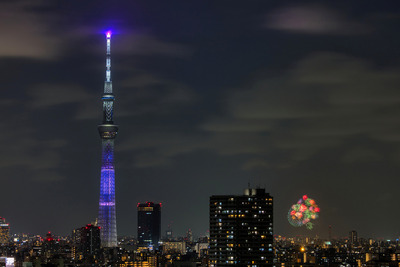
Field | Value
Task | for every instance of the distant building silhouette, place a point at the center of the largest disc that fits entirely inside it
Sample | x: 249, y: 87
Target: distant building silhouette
x: 168, y: 234
x: 353, y: 239
x: 241, y: 229
x: 149, y: 224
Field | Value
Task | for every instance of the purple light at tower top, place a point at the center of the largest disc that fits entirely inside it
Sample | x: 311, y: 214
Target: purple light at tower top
x: 108, y: 34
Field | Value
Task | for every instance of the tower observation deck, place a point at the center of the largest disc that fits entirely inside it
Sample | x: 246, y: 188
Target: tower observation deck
x: 108, y: 131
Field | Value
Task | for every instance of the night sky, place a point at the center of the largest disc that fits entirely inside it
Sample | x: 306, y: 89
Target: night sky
x: 298, y: 97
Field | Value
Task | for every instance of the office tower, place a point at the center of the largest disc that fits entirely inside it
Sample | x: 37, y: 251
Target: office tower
x: 241, y: 229
x: 86, y: 244
x: 189, y: 236
x: 77, y: 244
x: 50, y: 247
x: 353, y: 237
x: 149, y: 224
x: 90, y: 243
x: 4, y: 231
x: 108, y: 131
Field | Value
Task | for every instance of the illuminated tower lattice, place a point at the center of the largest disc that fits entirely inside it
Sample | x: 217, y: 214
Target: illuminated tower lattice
x: 108, y: 130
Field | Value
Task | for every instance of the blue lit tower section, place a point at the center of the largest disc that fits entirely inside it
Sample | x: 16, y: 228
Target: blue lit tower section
x: 107, y: 130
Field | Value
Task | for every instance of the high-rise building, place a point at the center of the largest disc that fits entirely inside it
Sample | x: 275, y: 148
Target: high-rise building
x: 241, y: 229
x: 50, y: 247
x: 4, y: 231
x: 149, y: 224
x: 90, y: 240
x: 108, y: 131
x: 189, y: 236
x: 86, y: 244
x: 353, y: 237
x: 77, y: 244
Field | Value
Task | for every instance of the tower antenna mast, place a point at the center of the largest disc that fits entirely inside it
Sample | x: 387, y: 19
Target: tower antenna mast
x: 108, y: 131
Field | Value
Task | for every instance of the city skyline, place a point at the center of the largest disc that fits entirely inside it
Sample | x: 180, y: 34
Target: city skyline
x: 298, y: 98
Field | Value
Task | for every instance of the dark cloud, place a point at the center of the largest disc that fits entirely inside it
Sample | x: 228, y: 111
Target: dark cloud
x: 313, y: 19
x: 48, y: 95
x: 147, y: 93
x: 237, y: 125
x: 159, y: 148
x: 26, y: 33
x: 141, y: 43
x: 40, y: 158
x: 320, y: 103
x: 323, y: 101
x: 362, y: 155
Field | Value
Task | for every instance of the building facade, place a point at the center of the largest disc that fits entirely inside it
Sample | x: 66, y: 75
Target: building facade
x: 90, y: 240
x: 76, y: 250
x: 241, y: 229
x: 149, y: 224
x: 353, y: 239
x: 4, y: 231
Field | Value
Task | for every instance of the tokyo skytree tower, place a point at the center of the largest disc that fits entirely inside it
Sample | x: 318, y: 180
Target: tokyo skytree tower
x: 108, y: 131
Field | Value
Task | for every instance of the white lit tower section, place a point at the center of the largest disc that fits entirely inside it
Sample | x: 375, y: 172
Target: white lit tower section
x: 108, y: 131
